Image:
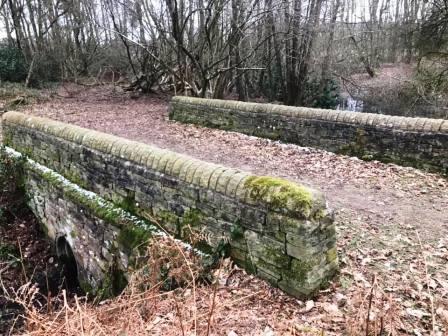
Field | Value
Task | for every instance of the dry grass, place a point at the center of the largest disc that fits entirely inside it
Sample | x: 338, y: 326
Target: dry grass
x: 234, y: 303
x: 374, y: 312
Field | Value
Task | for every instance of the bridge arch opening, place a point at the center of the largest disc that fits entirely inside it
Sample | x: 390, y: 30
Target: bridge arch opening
x: 66, y: 256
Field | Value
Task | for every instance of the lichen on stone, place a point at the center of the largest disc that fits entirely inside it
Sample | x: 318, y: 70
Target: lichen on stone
x: 332, y: 255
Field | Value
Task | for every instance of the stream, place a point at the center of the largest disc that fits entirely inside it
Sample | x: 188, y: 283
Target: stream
x: 355, y: 104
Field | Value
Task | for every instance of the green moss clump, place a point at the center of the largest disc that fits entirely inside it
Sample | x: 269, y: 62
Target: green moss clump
x: 51, y: 178
x: 8, y: 252
x: 169, y: 220
x: 280, y: 193
x: 167, y: 217
x: 237, y: 232
x: 276, y: 257
x: 86, y: 287
x: 357, y: 147
x: 7, y: 138
x: 320, y: 214
x: 26, y: 151
x: 189, y: 222
x: 131, y: 237
x: 128, y: 203
x: 76, y: 179
x: 113, y: 284
x: 192, y: 217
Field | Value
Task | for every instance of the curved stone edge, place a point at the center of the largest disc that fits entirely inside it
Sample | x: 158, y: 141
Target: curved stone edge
x: 277, y: 194
x: 426, y: 125
x: 104, y: 210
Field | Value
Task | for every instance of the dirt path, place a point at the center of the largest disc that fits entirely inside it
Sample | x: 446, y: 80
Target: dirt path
x: 392, y: 221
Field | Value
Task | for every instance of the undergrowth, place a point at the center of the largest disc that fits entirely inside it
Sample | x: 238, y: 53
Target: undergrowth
x: 11, y: 184
x: 16, y: 95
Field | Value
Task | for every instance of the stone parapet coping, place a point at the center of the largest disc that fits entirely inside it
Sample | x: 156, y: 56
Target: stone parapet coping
x: 426, y: 125
x: 274, y: 193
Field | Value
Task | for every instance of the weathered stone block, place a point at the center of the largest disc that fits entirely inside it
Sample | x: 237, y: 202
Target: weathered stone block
x: 266, y: 249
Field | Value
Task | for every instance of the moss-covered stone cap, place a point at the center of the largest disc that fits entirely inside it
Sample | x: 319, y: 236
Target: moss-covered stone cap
x: 426, y: 125
x: 271, y: 193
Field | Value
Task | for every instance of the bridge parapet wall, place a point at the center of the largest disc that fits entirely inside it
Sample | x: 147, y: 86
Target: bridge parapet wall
x: 279, y: 230
x: 417, y: 142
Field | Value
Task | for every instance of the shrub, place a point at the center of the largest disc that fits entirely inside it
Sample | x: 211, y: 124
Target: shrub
x: 11, y: 184
x: 13, y: 67
x: 431, y: 76
x: 47, y: 69
x: 322, y: 97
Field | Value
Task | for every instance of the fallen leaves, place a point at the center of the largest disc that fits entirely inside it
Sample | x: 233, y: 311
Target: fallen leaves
x: 378, y: 205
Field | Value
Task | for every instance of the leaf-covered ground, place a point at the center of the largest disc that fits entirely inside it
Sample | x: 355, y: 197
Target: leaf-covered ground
x: 392, y: 222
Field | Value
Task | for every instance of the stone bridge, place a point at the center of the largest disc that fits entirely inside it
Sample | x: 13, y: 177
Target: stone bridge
x: 98, y: 197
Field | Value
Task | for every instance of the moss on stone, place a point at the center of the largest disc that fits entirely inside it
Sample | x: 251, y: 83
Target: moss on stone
x: 7, y: 138
x: 276, y: 257
x: 113, y: 284
x: 189, y: 224
x: 27, y: 151
x: 86, y: 287
x: 50, y: 177
x: 166, y: 215
x: 100, y: 210
x: 280, y: 193
x: 76, y: 179
x: 131, y: 237
x: 299, y: 271
x: 128, y: 203
x: 192, y: 217
x: 321, y: 214
x: 237, y: 232
x: 190, y: 230
x: 169, y: 220
x: 357, y: 147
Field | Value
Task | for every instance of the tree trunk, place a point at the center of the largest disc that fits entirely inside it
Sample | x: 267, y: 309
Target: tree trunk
x: 328, y: 53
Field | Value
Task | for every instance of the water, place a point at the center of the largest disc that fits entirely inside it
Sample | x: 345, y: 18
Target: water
x: 355, y: 104
x: 351, y: 104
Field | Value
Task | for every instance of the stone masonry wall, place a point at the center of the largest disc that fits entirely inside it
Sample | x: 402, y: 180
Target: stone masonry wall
x: 418, y: 142
x: 94, y: 228
x: 279, y: 230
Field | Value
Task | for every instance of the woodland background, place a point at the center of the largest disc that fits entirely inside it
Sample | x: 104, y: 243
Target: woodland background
x: 298, y: 52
